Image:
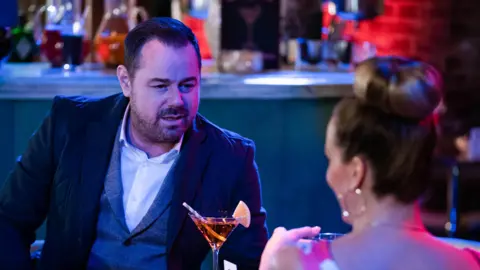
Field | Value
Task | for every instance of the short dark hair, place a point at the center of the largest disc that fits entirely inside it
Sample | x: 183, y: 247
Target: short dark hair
x: 169, y: 31
x: 389, y: 123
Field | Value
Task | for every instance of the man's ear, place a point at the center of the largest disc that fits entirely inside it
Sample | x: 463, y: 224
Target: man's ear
x: 125, y: 80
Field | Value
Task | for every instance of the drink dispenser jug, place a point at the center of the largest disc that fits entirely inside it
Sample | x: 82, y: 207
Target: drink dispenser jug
x: 119, y: 18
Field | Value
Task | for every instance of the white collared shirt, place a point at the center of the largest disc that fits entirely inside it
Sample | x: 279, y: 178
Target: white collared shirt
x: 142, y: 177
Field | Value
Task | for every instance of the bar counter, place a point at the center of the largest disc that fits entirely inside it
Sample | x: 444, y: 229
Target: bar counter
x: 38, y: 81
x: 284, y: 112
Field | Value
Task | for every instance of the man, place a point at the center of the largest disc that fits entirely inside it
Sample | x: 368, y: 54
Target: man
x: 111, y: 174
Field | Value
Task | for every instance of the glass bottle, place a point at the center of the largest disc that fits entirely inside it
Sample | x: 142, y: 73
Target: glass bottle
x: 212, y: 27
x: 8, y: 19
x: 51, y: 42
x: 63, y: 18
x: 119, y: 18
x: 24, y: 47
x: 5, y: 44
x: 72, y: 31
x: 194, y: 14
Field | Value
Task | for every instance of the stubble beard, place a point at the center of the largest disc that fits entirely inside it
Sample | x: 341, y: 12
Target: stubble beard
x: 153, y: 131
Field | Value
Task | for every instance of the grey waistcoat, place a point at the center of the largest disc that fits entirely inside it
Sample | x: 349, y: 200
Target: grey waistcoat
x: 115, y: 246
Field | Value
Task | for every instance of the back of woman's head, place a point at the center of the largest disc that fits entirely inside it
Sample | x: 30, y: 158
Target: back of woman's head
x: 388, y: 123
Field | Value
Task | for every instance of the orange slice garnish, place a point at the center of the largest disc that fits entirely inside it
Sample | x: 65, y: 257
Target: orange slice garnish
x: 242, y: 214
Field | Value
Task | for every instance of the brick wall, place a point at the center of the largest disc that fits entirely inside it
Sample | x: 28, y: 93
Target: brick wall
x: 443, y: 32
x: 411, y: 28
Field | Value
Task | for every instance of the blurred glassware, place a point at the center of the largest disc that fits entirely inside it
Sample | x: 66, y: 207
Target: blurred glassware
x: 212, y: 27
x: 5, y: 44
x: 362, y: 50
x: 327, y: 236
x: 240, y: 61
x: 119, y: 18
x: 64, y: 18
x: 72, y: 32
x: 309, y: 52
x: 24, y: 47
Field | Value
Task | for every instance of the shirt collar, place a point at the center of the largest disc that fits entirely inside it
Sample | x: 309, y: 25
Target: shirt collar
x: 123, y: 135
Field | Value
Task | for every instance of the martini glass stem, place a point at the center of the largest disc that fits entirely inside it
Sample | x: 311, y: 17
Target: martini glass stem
x: 215, y: 258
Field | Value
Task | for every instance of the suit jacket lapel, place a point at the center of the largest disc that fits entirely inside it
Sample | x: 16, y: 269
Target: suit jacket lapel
x: 187, y: 176
x: 113, y: 183
x: 99, y: 139
x: 162, y: 200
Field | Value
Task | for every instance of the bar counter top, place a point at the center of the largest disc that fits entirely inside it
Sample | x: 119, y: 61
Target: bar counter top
x: 38, y: 81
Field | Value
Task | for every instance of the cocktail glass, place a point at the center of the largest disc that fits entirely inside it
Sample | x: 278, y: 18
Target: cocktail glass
x: 216, y: 231
x: 327, y: 236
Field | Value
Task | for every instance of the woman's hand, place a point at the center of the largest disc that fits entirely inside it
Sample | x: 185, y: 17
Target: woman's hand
x: 281, y: 241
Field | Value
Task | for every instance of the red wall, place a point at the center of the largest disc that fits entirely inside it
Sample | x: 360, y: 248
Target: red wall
x: 412, y: 28
x: 445, y: 33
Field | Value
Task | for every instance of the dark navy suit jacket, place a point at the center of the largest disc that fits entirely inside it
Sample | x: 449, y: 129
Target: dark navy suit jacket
x: 61, y: 175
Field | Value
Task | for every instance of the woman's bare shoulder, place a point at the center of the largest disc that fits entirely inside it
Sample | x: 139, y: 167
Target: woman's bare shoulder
x: 417, y: 251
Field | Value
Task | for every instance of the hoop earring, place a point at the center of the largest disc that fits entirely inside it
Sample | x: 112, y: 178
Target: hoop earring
x: 353, y: 203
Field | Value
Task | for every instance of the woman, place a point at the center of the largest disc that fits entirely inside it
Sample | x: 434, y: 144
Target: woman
x: 379, y: 145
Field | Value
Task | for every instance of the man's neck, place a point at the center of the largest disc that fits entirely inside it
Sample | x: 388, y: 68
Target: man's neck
x: 152, y: 149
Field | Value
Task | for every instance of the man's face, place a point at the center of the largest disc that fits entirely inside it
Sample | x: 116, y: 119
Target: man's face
x: 164, y: 92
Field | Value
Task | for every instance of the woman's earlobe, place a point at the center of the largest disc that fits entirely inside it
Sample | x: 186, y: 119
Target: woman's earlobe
x: 359, y: 171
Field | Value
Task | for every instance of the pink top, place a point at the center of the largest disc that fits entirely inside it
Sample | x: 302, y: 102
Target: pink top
x: 317, y: 255
x: 475, y: 254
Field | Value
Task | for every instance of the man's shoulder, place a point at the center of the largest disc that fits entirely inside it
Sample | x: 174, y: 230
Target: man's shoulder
x: 84, y: 105
x: 71, y: 113
x: 226, y: 139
